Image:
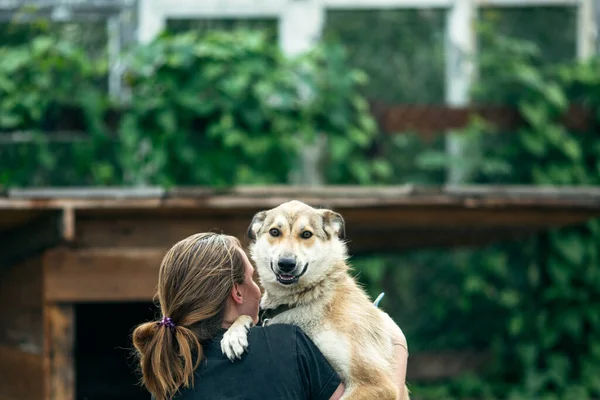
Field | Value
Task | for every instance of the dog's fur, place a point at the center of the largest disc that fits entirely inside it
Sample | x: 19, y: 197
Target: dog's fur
x: 326, y: 302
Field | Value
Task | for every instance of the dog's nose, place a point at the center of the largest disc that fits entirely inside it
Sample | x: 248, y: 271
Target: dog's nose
x: 286, y: 264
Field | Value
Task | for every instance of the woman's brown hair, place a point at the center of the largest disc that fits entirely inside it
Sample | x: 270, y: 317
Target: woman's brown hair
x: 195, y: 279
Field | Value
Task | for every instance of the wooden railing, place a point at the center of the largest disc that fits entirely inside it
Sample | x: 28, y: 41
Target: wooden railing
x: 425, y: 120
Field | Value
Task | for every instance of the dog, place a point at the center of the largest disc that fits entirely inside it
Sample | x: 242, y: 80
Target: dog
x: 301, y: 259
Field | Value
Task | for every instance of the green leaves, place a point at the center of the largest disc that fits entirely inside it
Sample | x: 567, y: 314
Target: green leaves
x: 253, y: 106
x: 46, y: 83
x: 218, y: 109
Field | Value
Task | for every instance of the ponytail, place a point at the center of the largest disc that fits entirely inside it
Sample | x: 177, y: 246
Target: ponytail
x: 168, y: 357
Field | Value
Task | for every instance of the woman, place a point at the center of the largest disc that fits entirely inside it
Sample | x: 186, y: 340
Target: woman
x: 205, y: 282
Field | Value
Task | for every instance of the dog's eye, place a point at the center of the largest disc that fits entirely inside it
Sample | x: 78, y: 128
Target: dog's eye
x: 306, y: 234
x: 274, y: 232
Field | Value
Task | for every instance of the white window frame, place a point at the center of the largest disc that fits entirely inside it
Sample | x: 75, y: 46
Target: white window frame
x: 301, y: 23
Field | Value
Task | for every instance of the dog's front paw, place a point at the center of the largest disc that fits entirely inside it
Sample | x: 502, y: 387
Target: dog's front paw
x: 235, y: 340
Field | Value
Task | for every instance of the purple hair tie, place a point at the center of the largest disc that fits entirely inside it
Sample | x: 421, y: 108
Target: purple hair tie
x: 168, y: 322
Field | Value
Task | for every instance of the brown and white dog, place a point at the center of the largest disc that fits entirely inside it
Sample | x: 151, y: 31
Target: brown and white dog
x: 301, y: 258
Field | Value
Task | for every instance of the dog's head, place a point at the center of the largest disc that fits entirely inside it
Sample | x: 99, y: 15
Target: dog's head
x: 295, y: 243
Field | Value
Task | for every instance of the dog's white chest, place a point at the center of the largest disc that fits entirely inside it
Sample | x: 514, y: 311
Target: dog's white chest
x: 334, y: 345
x: 307, y: 318
x: 336, y: 348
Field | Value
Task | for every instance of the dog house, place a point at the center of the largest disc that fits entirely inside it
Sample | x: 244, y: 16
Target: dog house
x: 78, y: 267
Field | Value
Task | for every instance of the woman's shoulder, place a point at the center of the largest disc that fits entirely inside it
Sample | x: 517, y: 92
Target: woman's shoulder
x: 278, y: 337
x: 274, y: 332
x: 291, y: 347
x: 279, y: 328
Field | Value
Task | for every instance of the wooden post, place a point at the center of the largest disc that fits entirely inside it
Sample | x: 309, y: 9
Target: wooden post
x: 59, y: 346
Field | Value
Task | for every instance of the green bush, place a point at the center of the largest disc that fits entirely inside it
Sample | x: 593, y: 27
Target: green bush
x: 536, y: 300
x: 217, y: 109
x: 554, y: 329
x: 48, y: 84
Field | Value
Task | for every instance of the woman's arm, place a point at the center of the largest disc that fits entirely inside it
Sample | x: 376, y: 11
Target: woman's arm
x: 338, y: 392
x: 400, y: 352
x: 400, y: 357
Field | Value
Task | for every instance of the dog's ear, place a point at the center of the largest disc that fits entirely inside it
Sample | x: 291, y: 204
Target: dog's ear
x: 335, y: 222
x: 256, y: 224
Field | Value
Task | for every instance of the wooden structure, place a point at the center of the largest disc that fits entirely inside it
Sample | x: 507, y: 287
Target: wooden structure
x: 78, y: 267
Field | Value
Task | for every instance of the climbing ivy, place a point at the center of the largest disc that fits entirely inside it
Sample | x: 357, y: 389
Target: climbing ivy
x: 534, y: 304
x: 221, y: 108
x: 554, y: 326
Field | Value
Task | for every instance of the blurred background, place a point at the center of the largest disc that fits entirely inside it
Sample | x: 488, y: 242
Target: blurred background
x: 249, y: 92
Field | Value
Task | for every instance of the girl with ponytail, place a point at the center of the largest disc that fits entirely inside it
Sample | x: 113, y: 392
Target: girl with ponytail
x: 205, y: 282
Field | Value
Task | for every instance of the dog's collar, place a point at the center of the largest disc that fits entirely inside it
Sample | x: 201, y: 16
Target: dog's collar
x: 270, y: 313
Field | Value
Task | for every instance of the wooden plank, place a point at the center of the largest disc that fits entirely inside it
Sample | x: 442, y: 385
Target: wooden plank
x: 59, y: 344
x: 101, y: 275
x: 260, y: 197
x: 432, y: 120
x: 21, y: 375
x: 160, y: 222
x: 384, y: 229
x: 21, y: 306
x: 86, y: 192
x: 522, y: 192
x: 462, y: 218
x: 30, y: 239
x: 139, y: 232
x: 9, y: 220
x: 378, y: 242
x: 96, y: 197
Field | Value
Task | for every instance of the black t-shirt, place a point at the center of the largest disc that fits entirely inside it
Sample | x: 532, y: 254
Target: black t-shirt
x: 281, y: 363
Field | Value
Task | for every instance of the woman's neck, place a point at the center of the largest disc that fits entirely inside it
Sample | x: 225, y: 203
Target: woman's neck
x: 226, y: 324
x: 231, y: 314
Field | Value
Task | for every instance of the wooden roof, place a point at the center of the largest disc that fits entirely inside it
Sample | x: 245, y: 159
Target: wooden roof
x: 377, y: 218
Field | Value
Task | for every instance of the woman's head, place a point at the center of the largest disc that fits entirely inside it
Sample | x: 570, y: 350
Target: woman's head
x: 204, y: 280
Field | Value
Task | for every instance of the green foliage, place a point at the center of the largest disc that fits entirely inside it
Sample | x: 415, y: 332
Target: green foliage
x: 220, y: 108
x: 402, y: 51
x: 534, y: 304
x: 545, y: 292
x: 555, y: 332
x: 477, y: 140
x: 553, y: 29
x: 40, y: 83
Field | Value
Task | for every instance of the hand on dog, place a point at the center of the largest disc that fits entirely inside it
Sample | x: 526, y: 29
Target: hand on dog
x: 235, y: 340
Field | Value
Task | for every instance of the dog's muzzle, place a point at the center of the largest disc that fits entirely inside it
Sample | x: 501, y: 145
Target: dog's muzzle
x: 287, y: 271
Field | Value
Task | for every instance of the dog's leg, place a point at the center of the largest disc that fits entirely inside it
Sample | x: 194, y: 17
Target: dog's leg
x: 235, y: 340
x: 385, y: 391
